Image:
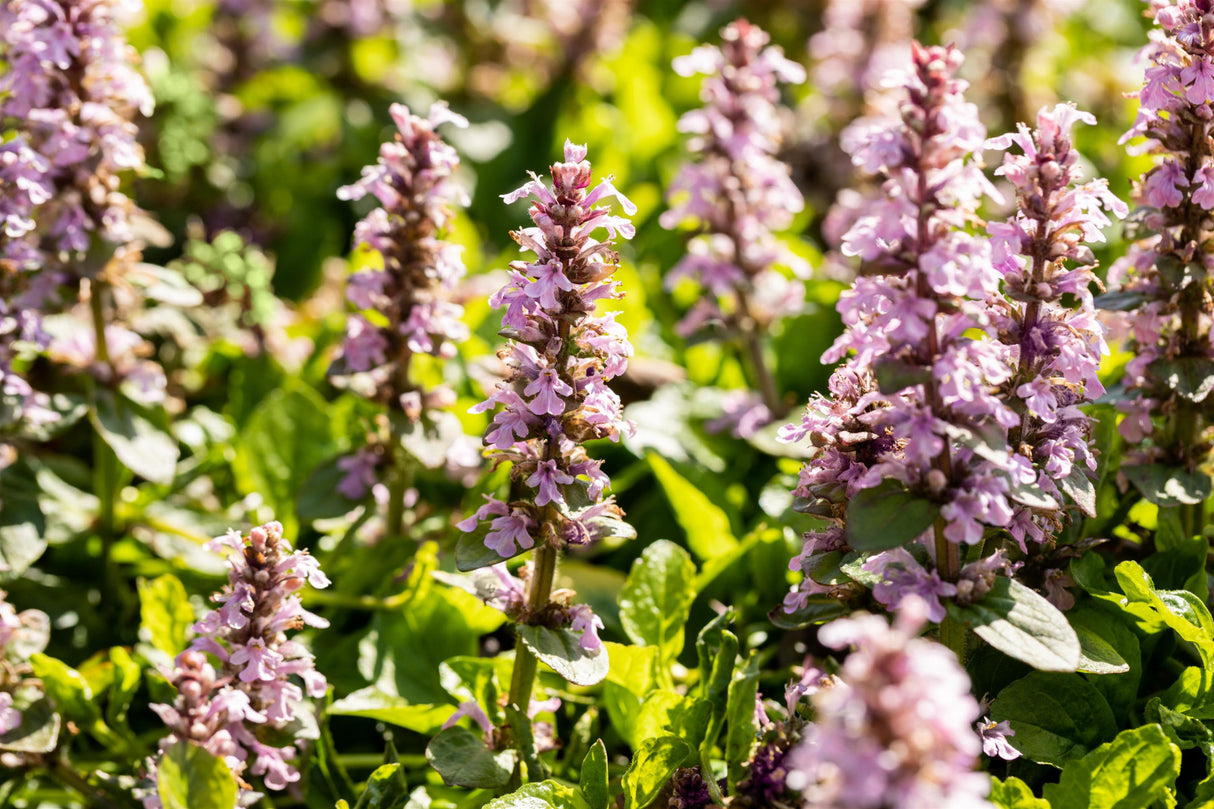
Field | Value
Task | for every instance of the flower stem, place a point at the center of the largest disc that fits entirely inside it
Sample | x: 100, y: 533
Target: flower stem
x: 399, y: 480
x: 753, y: 347
x: 105, y: 462
x: 522, y: 680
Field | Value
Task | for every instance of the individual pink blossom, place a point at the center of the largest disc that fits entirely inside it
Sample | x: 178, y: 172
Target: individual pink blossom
x: 994, y: 737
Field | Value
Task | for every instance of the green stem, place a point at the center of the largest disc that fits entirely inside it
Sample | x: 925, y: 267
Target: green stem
x: 948, y: 564
x: 399, y: 480
x: 105, y: 462
x: 753, y: 350
x: 522, y: 680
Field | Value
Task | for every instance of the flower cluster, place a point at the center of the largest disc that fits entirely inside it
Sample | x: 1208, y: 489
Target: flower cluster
x: 71, y: 92
x: 914, y: 393
x: 1165, y: 280
x: 256, y: 682
x: 561, y: 357
x: 896, y: 731
x: 404, y: 305
x: 1054, y: 348
x: 543, y: 732
x: 737, y: 193
x: 21, y: 635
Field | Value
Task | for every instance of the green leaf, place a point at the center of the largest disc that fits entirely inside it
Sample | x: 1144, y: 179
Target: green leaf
x: 1113, y: 629
x: 22, y: 525
x: 462, y: 759
x: 1096, y: 656
x: 542, y: 795
x: 373, y: 703
x: 141, y: 445
x: 1192, y: 694
x: 740, y: 718
x: 706, y: 525
x: 1015, y: 794
x: 593, y: 778
x: 1169, y: 486
x: 817, y: 609
x: 1180, y: 610
x: 717, y: 653
x: 68, y: 691
x: 386, y: 786
x: 127, y: 676
x: 656, y: 598
x: 471, y: 553
x: 188, y: 777
x: 1191, y: 378
x: 1137, y: 769
x: 166, y: 614
x: 1079, y: 487
x: 287, y: 436
x: 1185, y: 731
x: 1056, y: 717
x: 1022, y: 624
x: 39, y: 728
x: 887, y: 516
x: 669, y: 712
x: 652, y: 765
x: 561, y: 650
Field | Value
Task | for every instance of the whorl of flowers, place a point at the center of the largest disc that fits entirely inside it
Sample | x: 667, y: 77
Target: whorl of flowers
x: 896, y: 731
x: 257, y: 681
x: 1055, y: 349
x: 404, y: 306
x: 736, y: 191
x: 71, y: 92
x: 21, y: 635
x: 561, y: 357
x: 1168, y: 275
x: 926, y: 282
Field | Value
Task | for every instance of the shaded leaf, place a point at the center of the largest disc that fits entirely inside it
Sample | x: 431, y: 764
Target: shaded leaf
x: 1056, y: 717
x: 142, y: 446
x: 1022, y: 624
x: 887, y: 516
x: 462, y: 759
x: 1169, y: 486
x: 561, y: 650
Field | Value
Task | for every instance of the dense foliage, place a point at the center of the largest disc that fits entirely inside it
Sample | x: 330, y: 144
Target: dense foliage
x: 826, y: 421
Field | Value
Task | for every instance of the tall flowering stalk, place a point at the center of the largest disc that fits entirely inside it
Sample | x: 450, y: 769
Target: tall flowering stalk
x: 911, y: 383
x: 895, y: 730
x: 404, y: 306
x: 1166, y: 277
x: 1054, y: 348
x: 561, y: 355
x: 738, y: 193
x: 71, y: 94
x: 258, y: 681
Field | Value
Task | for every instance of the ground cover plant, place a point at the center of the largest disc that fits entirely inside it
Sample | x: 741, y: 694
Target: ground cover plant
x: 597, y: 404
